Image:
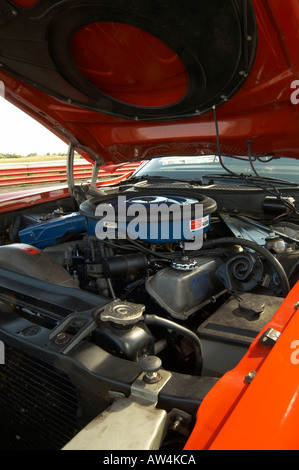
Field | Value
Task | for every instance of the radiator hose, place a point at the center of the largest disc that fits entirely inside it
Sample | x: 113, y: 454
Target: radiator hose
x: 169, y: 324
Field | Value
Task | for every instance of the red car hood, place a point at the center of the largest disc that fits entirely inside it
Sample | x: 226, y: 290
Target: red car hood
x: 128, y: 80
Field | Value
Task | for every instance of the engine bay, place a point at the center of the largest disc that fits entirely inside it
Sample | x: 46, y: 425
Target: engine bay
x: 136, y: 311
x: 192, y: 308
x: 100, y: 310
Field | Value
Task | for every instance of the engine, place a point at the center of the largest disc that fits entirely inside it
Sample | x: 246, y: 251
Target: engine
x: 109, y: 251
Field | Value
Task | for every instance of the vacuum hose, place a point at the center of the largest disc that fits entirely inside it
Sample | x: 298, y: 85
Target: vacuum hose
x: 284, y: 282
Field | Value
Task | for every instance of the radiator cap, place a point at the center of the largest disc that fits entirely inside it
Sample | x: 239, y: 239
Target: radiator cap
x: 123, y: 313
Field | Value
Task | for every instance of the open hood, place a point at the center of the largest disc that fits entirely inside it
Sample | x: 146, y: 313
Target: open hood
x: 126, y: 80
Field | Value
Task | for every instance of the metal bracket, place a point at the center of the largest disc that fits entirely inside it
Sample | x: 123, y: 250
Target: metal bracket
x: 269, y: 337
x: 130, y: 423
x: 89, y: 319
x: 148, y: 393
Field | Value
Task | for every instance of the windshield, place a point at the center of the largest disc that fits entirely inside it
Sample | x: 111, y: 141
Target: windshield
x: 190, y: 168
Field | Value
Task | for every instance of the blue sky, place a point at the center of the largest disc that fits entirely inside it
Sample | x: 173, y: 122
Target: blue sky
x: 22, y: 135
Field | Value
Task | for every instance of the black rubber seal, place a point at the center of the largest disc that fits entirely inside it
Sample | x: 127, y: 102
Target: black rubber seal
x: 216, y: 41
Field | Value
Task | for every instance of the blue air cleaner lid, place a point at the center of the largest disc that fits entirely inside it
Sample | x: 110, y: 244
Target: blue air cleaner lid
x: 153, y: 218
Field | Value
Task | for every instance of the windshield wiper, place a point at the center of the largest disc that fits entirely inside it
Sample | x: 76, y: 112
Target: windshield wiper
x: 164, y: 178
x: 251, y: 178
x: 266, y: 184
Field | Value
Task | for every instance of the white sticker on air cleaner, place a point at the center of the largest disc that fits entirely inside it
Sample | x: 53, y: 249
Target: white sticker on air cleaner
x: 109, y: 224
x: 198, y: 224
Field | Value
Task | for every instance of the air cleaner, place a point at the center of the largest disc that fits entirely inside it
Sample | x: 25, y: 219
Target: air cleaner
x: 153, y: 218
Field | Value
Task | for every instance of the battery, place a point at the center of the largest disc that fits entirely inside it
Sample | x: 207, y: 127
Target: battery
x: 227, y: 334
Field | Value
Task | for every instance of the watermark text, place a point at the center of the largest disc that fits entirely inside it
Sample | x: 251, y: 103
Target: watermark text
x: 2, y: 89
x: 295, y: 353
x: 2, y: 353
x: 295, y: 94
x: 154, y: 223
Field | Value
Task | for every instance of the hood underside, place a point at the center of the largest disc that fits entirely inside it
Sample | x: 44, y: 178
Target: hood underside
x: 127, y: 80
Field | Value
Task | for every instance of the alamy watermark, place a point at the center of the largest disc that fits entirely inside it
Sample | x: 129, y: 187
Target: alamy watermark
x: 295, y: 353
x: 2, y: 353
x: 2, y: 90
x: 295, y: 94
x: 138, y: 219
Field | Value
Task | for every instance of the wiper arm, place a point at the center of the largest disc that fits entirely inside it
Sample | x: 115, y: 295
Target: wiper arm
x: 251, y: 178
x: 266, y: 184
x: 164, y: 178
x: 273, y: 180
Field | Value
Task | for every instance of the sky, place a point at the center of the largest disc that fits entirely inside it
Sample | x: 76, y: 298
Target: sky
x: 22, y: 135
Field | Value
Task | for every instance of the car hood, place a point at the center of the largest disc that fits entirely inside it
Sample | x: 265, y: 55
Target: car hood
x: 127, y: 80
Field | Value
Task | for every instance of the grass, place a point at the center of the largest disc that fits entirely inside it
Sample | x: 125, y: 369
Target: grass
x: 39, y: 158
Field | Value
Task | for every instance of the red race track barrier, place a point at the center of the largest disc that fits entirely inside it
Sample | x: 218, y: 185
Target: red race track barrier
x: 13, y: 175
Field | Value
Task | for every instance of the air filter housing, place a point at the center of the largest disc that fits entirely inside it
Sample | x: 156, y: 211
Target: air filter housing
x: 164, y: 217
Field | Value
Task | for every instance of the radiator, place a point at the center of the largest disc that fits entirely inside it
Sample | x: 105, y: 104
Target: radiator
x: 39, y: 407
